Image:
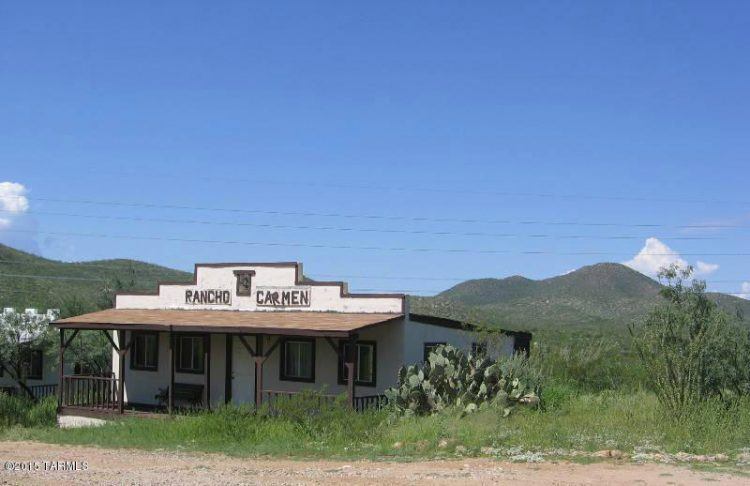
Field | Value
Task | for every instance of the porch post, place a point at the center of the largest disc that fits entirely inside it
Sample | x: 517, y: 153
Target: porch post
x: 207, y: 361
x: 258, y: 370
x: 121, y: 372
x: 350, y: 369
x: 61, y: 372
x: 228, y: 368
x: 170, y: 404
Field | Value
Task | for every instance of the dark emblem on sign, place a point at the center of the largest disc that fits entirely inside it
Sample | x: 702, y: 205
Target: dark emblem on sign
x: 244, y: 281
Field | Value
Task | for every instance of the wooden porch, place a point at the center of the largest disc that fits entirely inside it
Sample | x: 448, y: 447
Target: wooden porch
x: 98, y: 395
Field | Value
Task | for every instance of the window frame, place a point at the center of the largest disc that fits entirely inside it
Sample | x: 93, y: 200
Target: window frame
x: 138, y: 367
x: 342, y: 360
x: 178, y: 353
x: 434, y: 344
x: 283, y: 376
x: 29, y: 356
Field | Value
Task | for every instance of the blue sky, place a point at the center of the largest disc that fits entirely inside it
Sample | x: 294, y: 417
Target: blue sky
x: 330, y: 125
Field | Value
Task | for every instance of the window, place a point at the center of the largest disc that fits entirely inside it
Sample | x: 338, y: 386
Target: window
x: 190, y: 354
x: 144, y: 352
x: 365, y: 363
x: 479, y: 349
x: 297, y: 360
x: 522, y: 343
x: 33, y: 360
x: 430, y: 347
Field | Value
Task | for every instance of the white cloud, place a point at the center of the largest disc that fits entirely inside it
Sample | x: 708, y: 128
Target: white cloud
x: 655, y: 255
x: 744, y: 291
x: 13, y: 201
x: 13, y: 197
x: 703, y: 268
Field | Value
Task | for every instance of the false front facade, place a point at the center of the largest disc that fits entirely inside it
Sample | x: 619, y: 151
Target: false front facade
x: 251, y: 333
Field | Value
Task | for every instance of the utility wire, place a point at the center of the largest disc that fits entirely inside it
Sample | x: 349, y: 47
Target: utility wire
x: 363, y: 230
x: 356, y: 289
x: 318, y: 276
x: 362, y: 248
x: 86, y: 265
x: 441, y: 190
x: 52, y: 277
x: 55, y: 277
x: 712, y: 226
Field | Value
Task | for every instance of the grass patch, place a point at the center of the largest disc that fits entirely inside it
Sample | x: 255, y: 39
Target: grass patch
x: 22, y: 411
x: 588, y: 422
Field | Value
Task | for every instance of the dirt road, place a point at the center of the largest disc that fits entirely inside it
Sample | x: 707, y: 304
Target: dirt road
x: 107, y: 466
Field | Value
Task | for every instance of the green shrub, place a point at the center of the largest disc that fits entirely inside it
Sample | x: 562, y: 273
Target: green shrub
x: 555, y: 395
x: 42, y: 413
x: 451, y: 378
x: 19, y: 410
x: 590, y: 364
x: 692, y: 351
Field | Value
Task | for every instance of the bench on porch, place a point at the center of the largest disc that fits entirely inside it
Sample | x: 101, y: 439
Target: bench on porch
x: 187, y: 392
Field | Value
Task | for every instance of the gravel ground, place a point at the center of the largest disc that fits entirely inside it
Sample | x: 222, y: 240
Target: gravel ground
x: 125, y: 466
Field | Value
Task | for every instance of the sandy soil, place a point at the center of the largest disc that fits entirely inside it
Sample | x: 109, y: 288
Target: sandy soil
x: 106, y: 466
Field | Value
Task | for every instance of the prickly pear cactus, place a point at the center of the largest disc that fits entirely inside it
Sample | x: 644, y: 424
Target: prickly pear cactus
x: 450, y: 378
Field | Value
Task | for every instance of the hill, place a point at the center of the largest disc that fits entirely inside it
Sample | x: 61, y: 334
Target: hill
x: 27, y: 280
x: 601, y: 296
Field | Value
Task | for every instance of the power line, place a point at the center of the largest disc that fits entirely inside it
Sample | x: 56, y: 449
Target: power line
x: 363, y: 248
x: 52, y: 277
x: 460, y: 279
x: 95, y: 280
x: 443, y: 190
x: 339, y: 276
x: 356, y: 289
x: 363, y: 230
x: 56, y: 277
x: 714, y: 226
x: 83, y: 265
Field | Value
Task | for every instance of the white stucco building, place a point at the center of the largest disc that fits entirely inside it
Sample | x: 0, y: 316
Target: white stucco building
x: 251, y: 332
x: 40, y: 371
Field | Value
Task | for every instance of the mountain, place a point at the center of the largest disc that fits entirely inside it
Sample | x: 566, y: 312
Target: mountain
x: 27, y: 280
x: 601, y: 296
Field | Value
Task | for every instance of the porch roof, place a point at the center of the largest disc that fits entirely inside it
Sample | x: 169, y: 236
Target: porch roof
x: 271, y: 322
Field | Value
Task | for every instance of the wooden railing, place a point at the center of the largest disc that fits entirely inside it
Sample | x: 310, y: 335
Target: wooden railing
x: 274, y: 398
x: 41, y: 391
x: 89, y: 392
x: 369, y: 402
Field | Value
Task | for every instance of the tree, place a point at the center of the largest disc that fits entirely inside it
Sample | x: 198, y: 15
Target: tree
x: 112, y: 286
x: 21, y: 333
x: 90, y: 350
x: 691, y: 349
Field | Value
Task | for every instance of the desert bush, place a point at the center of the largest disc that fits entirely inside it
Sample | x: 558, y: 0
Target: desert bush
x: 451, y: 378
x: 692, y: 351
